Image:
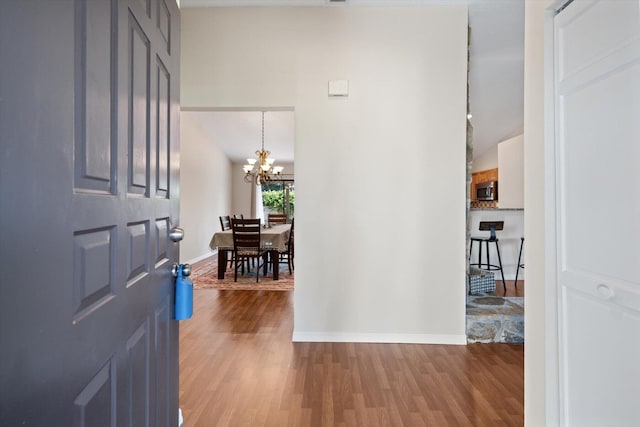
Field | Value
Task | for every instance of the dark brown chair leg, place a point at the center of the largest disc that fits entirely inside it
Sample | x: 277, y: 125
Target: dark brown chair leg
x: 235, y: 270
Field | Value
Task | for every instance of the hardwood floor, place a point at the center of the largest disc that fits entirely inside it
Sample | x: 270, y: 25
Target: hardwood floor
x: 512, y: 290
x: 238, y: 367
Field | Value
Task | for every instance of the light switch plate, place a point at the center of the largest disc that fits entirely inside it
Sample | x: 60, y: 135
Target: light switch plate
x: 338, y: 87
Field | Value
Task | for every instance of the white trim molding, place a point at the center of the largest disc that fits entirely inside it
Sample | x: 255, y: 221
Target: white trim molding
x: 201, y: 257
x: 319, y: 3
x: 379, y: 338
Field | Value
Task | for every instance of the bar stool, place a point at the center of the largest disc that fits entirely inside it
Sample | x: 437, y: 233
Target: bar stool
x: 490, y: 226
x: 519, y: 258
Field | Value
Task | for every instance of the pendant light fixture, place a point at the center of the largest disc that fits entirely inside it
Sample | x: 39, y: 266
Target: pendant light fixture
x: 261, y: 170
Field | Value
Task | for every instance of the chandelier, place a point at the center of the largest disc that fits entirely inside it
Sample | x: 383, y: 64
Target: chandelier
x: 261, y: 170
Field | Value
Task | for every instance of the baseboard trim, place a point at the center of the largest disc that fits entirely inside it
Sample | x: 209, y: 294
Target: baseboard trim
x: 201, y: 257
x: 379, y: 338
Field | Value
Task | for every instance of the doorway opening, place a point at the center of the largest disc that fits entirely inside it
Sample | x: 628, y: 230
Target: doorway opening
x: 495, y: 160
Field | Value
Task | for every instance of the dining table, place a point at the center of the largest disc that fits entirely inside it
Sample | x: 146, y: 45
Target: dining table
x: 273, y: 239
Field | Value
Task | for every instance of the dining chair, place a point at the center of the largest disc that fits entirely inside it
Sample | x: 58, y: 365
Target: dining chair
x: 236, y: 216
x: 277, y: 218
x: 287, y: 254
x: 225, y: 224
x: 246, y: 244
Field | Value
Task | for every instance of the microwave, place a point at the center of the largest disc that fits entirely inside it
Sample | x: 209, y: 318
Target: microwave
x: 487, y: 190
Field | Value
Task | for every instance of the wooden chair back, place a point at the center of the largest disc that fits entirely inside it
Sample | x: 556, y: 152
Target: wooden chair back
x: 277, y: 218
x: 238, y: 216
x: 225, y: 222
x: 246, y: 236
x: 290, y: 241
x: 287, y: 255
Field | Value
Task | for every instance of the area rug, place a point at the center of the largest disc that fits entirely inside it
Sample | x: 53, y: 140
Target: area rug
x: 492, y: 318
x: 205, y: 276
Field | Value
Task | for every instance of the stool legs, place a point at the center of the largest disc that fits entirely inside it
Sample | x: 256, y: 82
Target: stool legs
x: 488, y: 257
x: 504, y: 282
x: 520, y: 265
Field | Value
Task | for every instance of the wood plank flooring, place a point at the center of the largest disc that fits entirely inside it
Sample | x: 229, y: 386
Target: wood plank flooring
x: 238, y: 367
x: 512, y: 290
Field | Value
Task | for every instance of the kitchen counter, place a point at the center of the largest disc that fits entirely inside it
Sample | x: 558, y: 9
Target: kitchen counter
x: 497, y: 209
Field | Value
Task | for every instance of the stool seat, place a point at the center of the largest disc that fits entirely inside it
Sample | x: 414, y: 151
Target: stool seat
x: 482, y: 238
x: 491, y: 226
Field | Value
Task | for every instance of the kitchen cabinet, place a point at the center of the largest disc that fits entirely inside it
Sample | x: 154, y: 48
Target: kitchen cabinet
x: 482, y: 176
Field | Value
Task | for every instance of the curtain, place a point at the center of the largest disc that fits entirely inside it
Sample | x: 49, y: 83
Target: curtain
x: 257, y: 209
x: 259, y: 205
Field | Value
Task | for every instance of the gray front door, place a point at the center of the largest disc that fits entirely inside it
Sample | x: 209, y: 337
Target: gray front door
x: 88, y: 193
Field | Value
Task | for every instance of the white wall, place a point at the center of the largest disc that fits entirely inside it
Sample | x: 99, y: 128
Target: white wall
x: 359, y: 160
x: 205, y: 188
x: 488, y: 160
x: 511, y: 173
x: 240, y: 192
x: 288, y: 169
x: 540, y: 377
x: 239, y: 57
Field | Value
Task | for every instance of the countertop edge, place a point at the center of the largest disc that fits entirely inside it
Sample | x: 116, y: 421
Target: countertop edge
x: 497, y: 209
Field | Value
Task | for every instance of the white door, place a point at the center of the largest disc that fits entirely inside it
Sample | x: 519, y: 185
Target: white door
x: 597, y: 83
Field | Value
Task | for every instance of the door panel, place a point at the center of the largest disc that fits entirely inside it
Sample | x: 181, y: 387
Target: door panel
x: 163, y: 131
x: 598, y: 204
x: 137, y: 363
x: 94, y: 275
x: 138, y: 53
x: 164, y: 366
x: 139, y: 251
x: 600, y: 361
x: 94, y: 73
x: 162, y: 241
x: 89, y: 119
x: 95, y: 405
x: 606, y: 200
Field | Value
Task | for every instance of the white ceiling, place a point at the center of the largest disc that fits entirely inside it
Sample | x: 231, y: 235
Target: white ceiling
x: 496, y: 71
x: 496, y: 80
x: 239, y: 133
